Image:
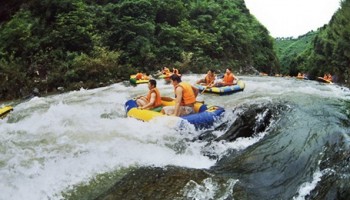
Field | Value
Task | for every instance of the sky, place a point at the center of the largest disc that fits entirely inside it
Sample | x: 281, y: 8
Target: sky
x: 286, y: 18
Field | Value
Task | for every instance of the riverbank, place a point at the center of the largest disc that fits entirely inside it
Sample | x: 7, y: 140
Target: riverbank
x: 42, y: 89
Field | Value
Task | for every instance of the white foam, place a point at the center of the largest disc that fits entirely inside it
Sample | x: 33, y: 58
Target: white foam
x: 208, y: 189
x: 49, y: 144
x: 307, y: 187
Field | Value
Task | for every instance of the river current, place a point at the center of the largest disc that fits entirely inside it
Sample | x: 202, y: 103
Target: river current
x: 76, y: 145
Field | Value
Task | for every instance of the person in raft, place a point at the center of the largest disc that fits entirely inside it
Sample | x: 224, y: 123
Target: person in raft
x: 166, y: 71
x: 208, y: 80
x: 229, y: 79
x: 327, y: 77
x: 176, y: 71
x: 185, y: 97
x: 141, y: 76
x: 152, y: 99
x: 138, y: 76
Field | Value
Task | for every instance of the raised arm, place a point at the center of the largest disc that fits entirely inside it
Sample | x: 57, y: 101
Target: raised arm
x: 195, y: 90
x: 178, y: 93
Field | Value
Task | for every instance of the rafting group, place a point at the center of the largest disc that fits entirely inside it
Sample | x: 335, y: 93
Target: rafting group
x: 165, y: 74
x: 327, y: 78
x: 185, y: 104
x: 229, y: 83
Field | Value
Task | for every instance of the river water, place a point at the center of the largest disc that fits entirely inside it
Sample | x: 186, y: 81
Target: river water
x: 76, y: 145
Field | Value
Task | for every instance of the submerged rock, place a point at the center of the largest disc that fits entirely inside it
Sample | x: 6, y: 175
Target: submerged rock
x: 251, y: 120
x: 334, y: 164
x: 154, y: 183
x: 219, y: 182
x: 176, y: 183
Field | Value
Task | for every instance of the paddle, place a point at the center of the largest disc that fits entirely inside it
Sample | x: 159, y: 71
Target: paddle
x: 206, y: 87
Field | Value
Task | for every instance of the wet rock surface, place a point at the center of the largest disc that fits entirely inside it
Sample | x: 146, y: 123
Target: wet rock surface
x: 154, y: 183
x: 171, y: 182
x: 335, y: 161
x: 251, y: 120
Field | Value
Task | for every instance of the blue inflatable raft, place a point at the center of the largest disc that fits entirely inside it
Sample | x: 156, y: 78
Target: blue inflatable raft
x: 222, y: 90
x: 204, y: 115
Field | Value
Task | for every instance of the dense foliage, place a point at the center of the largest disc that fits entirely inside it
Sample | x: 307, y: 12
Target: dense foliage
x: 74, y: 43
x: 287, y: 49
x: 330, y: 49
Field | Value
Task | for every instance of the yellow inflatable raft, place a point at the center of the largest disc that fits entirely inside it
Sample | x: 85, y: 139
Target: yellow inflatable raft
x: 5, y: 110
x: 204, y: 115
x: 323, y: 80
x: 223, y: 90
x: 133, y: 80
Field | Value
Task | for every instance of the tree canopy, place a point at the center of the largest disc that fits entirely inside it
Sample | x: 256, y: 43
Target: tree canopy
x: 70, y: 43
x: 328, y: 51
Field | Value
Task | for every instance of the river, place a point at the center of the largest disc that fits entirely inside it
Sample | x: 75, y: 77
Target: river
x: 78, y: 144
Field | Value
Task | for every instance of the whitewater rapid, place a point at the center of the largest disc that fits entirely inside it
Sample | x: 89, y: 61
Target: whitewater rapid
x: 48, y: 145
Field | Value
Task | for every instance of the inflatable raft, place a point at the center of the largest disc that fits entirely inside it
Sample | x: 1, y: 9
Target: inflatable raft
x: 133, y: 80
x: 165, y: 76
x: 323, y: 80
x: 5, y: 110
x: 204, y: 115
x: 223, y: 90
x: 302, y: 77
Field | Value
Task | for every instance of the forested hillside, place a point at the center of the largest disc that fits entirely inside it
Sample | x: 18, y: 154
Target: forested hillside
x: 287, y: 49
x: 74, y: 43
x: 330, y: 49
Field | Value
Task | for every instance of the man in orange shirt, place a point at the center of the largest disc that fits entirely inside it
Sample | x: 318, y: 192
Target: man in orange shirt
x: 185, y: 95
x: 152, y: 99
x: 229, y: 79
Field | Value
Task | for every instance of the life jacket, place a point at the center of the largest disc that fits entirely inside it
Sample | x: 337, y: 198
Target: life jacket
x: 166, y: 71
x: 145, y: 77
x: 158, y: 101
x: 228, y: 79
x: 139, y: 76
x: 209, y: 79
x: 188, y: 96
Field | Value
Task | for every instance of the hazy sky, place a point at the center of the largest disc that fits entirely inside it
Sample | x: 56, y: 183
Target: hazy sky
x: 284, y: 18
